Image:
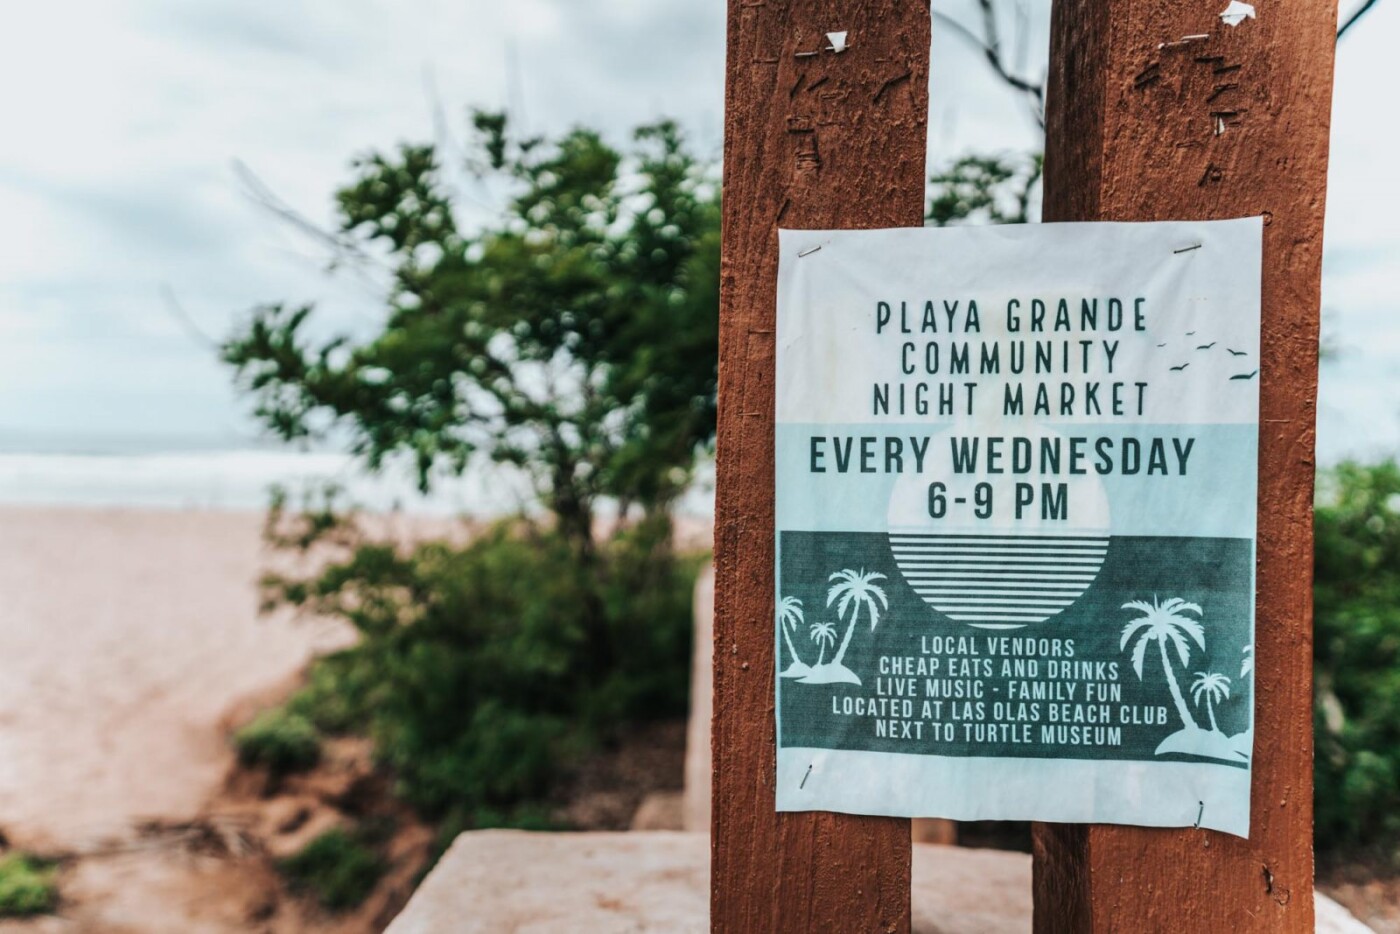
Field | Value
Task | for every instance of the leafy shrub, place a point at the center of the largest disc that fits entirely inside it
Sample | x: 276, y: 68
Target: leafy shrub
x: 484, y: 670
x: 27, y: 886
x: 339, y: 867
x: 281, y: 740
x: 1357, y: 652
x: 332, y: 699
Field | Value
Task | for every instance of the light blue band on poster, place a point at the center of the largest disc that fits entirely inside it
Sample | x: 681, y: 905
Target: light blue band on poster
x: 1148, y: 494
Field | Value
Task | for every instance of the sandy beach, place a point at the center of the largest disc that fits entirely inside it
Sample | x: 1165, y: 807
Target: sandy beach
x: 130, y: 639
x: 126, y: 637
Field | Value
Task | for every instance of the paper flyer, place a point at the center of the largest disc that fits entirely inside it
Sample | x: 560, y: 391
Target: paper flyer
x: 1015, y: 490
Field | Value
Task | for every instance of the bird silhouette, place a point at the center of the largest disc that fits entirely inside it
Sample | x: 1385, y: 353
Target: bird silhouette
x: 1245, y: 375
x: 1190, y: 333
x: 1163, y: 344
x: 1206, y: 346
x: 1237, y: 353
x: 1184, y: 366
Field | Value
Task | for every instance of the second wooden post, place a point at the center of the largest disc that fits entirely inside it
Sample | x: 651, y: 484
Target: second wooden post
x: 1166, y: 111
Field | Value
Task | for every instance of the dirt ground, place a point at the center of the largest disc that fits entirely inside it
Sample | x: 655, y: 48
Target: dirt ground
x: 1372, y: 895
x: 216, y: 871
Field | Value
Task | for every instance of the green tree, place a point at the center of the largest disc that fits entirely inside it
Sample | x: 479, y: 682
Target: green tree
x: 573, y: 335
x: 982, y: 189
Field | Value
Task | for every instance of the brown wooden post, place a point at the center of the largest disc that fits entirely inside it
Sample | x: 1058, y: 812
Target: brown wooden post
x: 814, y: 138
x: 1157, y: 111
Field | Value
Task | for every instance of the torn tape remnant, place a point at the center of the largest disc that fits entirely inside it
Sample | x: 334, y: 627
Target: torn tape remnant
x: 1237, y: 13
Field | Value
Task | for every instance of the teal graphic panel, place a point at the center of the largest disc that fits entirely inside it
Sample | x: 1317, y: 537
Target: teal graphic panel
x: 871, y: 662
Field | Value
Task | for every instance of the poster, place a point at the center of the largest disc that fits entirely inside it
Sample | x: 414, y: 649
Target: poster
x: 1015, y: 492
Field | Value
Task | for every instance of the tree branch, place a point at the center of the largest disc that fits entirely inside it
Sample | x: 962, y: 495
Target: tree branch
x: 342, y: 247
x: 990, y: 46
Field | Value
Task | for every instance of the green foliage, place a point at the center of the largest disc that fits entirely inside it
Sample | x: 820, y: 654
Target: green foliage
x: 280, y: 739
x: 332, y: 699
x: 1357, y: 652
x: 27, y: 886
x: 339, y: 867
x: 984, y: 190
x: 481, y: 671
x: 572, y: 334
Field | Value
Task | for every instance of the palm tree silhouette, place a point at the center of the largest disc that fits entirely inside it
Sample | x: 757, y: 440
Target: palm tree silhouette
x: 1247, y: 663
x: 857, y: 589
x: 1161, y: 623
x: 789, y: 616
x: 1214, y: 688
x: 824, y: 635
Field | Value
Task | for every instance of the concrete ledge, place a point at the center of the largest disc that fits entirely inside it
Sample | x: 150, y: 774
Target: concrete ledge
x: 542, y: 883
x: 610, y: 883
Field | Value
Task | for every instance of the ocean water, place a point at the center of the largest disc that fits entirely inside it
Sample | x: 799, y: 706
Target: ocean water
x: 196, y: 473
x: 229, y: 479
x: 225, y: 473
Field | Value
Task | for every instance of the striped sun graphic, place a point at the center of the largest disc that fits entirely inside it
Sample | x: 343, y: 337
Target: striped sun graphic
x: 998, y: 581
x: 999, y: 548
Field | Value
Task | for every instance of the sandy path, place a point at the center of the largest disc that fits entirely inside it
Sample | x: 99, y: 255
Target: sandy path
x: 124, y: 637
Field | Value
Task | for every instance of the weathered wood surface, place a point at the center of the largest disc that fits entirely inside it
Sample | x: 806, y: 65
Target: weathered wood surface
x: 813, y: 139
x: 1228, y: 124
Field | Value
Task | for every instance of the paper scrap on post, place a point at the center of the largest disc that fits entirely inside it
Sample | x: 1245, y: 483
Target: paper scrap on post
x: 1016, y: 473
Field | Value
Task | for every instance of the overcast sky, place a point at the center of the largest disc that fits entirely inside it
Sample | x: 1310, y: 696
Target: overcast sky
x: 122, y: 122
